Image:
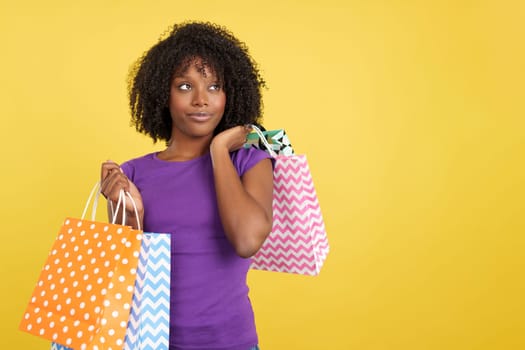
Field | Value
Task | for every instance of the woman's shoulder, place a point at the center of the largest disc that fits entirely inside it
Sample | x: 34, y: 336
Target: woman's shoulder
x: 245, y: 158
x: 140, y: 159
x: 129, y: 167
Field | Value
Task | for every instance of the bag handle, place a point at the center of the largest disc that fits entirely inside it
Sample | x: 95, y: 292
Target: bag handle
x: 122, y: 198
x: 95, y: 202
x: 265, y: 142
x: 121, y: 201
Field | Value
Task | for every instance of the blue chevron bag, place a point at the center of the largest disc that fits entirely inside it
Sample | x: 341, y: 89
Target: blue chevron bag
x: 148, y: 326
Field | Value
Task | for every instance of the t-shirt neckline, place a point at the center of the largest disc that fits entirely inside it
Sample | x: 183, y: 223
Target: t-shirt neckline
x: 196, y: 159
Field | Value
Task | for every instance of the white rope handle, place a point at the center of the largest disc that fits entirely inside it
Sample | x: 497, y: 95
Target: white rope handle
x: 95, y: 202
x: 135, y: 209
x: 121, y: 201
x: 114, y: 213
x: 265, y: 142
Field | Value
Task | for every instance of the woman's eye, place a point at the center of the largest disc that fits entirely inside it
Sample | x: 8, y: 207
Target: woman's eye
x: 215, y: 87
x: 184, y: 86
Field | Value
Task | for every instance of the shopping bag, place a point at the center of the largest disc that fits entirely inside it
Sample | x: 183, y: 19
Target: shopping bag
x: 83, y: 296
x: 277, y: 140
x: 298, y: 242
x: 148, y: 326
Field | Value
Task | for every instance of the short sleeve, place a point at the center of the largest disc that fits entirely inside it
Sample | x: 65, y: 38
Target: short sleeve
x: 129, y: 170
x: 245, y: 158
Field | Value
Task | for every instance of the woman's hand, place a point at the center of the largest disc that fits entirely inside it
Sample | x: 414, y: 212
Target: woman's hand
x: 231, y: 139
x: 112, y: 181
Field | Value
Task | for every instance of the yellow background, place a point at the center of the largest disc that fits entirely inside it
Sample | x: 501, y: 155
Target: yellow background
x: 412, y: 117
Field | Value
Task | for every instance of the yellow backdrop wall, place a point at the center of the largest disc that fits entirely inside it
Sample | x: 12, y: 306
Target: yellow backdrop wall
x: 411, y: 114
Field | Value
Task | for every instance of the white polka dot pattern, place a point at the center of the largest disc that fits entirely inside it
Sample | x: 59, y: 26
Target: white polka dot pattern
x: 85, y: 288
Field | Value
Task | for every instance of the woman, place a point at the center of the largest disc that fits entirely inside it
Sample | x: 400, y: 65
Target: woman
x: 198, y: 89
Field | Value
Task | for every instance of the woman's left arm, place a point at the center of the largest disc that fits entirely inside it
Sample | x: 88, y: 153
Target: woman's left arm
x: 245, y: 204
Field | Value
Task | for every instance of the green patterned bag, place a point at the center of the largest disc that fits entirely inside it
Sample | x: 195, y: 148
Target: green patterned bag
x: 277, y: 139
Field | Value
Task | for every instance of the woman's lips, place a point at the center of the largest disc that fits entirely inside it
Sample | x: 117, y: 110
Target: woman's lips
x: 199, y: 116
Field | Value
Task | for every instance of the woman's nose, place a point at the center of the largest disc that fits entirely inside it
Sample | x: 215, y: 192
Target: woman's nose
x: 200, y: 97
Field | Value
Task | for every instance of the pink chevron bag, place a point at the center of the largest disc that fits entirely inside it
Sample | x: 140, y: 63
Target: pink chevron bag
x: 298, y: 241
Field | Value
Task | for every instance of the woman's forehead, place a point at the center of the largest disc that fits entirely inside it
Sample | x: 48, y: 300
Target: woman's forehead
x: 201, y: 65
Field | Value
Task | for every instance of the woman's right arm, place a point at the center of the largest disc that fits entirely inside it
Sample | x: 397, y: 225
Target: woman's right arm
x: 112, y: 181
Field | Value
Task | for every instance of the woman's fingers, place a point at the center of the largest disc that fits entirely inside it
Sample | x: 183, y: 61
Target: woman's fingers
x: 113, y: 180
x: 107, y: 167
x: 135, y: 194
x: 242, y: 135
x: 113, y: 184
x: 232, y: 138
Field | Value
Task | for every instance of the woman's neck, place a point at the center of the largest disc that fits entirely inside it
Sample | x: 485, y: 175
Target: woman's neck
x: 183, y: 149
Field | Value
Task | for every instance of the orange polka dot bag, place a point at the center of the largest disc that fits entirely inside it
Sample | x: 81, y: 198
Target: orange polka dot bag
x: 83, y: 296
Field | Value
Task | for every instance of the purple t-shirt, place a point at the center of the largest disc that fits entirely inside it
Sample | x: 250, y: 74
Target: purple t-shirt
x: 209, y: 307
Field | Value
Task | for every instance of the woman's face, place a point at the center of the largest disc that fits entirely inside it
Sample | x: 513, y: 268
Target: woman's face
x: 196, y: 101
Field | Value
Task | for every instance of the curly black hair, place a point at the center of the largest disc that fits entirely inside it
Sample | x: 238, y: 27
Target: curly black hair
x: 150, y: 77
